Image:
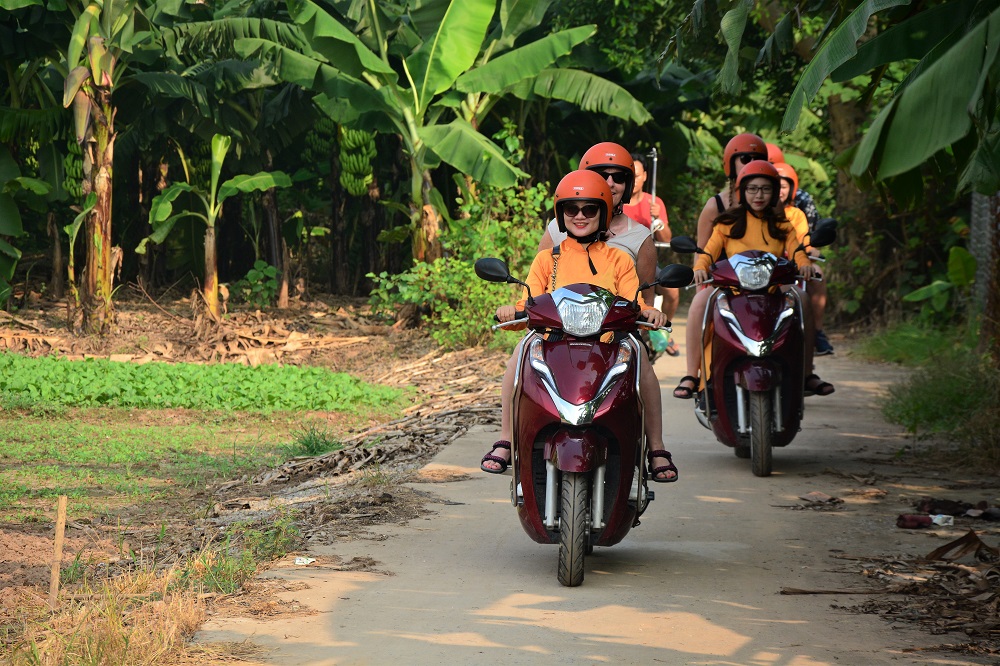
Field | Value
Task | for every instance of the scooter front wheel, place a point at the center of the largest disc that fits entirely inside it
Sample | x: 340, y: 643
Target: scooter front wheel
x: 574, y: 527
x: 761, y: 431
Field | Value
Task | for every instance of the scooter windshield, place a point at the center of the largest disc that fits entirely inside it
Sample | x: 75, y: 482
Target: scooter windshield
x: 582, y: 314
x: 753, y: 272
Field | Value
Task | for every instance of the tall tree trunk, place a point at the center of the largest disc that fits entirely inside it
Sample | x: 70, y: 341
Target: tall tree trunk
x: 338, y: 230
x: 98, y: 310
x: 278, y: 253
x: 427, y: 244
x: 989, y: 333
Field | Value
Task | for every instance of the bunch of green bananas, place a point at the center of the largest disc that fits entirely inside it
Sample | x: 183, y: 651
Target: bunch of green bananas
x: 200, y: 162
x: 319, y: 142
x: 357, y: 149
x: 73, y: 168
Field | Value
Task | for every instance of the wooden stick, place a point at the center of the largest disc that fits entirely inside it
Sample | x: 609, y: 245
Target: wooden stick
x: 57, y: 557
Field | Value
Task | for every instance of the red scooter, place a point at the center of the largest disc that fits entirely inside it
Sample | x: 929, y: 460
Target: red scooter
x: 579, y: 449
x: 752, y: 351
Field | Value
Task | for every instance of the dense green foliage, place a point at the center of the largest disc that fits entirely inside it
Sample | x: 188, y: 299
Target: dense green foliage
x: 228, y: 387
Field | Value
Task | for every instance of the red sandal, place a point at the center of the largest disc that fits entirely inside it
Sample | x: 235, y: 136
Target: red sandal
x: 501, y: 444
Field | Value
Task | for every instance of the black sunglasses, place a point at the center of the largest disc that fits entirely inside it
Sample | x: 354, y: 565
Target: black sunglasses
x: 589, y: 210
x: 747, y: 158
x: 617, y: 176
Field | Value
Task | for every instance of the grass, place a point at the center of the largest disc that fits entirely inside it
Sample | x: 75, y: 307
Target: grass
x: 952, y: 396
x: 133, y: 447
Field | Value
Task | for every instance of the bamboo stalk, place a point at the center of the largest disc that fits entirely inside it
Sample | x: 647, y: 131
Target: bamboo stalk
x: 57, y: 556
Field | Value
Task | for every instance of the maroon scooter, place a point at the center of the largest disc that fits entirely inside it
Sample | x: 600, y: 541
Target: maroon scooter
x: 579, y: 449
x: 752, y: 351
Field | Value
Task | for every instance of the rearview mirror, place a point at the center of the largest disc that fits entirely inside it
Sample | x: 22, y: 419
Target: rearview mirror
x: 493, y: 270
x: 824, y: 233
x: 683, y: 245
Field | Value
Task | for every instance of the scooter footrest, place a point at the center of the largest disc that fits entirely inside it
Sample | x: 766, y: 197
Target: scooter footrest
x: 650, y: 495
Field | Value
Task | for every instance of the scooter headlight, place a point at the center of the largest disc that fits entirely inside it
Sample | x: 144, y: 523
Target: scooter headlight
x: 754, y: 273
x: 582, y: 317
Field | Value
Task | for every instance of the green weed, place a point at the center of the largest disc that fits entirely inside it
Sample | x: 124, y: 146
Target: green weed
x: 312, y: 441
x: 226, y: 387
x: 913, y: 343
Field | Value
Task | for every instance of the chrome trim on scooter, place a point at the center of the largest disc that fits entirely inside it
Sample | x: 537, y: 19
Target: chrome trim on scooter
x: 568, y: 412
x: 597, y: 498
x: 741, y: 411
x: 756, y: 348
x: 779, y: 421
x: 551, y: 494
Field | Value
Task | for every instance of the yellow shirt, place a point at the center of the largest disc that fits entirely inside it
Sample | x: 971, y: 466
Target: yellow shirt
x: 755, y: 238
x: 799, y: 223
x: 615, y: 270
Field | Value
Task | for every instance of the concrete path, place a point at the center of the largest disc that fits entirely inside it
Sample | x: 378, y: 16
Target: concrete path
x: 697, y: 583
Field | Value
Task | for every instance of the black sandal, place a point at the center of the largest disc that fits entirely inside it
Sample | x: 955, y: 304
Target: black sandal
x: 683, y: 392
x: 654, y: 472
x: 816, y: 386
x: 501, y: 444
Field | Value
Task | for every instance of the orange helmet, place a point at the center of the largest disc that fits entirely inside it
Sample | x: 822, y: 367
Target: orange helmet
x: 585, y: 186
x: 786, y: 172
x: 758, y: 169
x: 607, y: 154
x: 774, y: 154
x: 742, y: 144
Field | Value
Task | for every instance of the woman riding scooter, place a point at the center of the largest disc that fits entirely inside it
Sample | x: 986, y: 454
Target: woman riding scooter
x: 756, y: 222
x: 583, y: 204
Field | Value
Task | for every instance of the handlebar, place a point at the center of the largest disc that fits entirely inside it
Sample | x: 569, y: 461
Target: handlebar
x: 660, y: 245
x: 505, y: 324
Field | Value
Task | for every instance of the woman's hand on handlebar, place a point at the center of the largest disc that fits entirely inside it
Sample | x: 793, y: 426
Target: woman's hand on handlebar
x: 506, y: 313
x: 700, y: 276
x: 655, y: 317
x: 809, y: 271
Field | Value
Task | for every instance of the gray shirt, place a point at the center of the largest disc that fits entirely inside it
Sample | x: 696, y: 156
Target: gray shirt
x: 629, y: 240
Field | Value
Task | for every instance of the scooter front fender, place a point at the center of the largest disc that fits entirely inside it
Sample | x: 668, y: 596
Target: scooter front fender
x: 755, y: 374
x: 576, y: 450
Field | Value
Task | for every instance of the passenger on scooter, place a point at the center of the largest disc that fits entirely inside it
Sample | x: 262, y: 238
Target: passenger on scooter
x: 583, y: 205
x: 740, y: 151
x: 756, y: 222
x: 790, y: 195
x: 615, y: 165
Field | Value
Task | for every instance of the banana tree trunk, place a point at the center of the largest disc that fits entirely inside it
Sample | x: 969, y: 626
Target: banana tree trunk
x: 211, y: 289
x: 57, y: 286
x: 98, y: 310
x: 427, y: 243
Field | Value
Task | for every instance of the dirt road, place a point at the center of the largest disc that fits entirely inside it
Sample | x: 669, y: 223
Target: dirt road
x: 697, y: 583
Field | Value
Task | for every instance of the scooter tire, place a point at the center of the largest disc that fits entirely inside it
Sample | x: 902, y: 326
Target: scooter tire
x: 761, y: 432
x: 574, y: 528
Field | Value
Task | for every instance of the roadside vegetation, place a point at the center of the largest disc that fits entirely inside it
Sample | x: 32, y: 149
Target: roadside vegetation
x: 952, y: 396
x: 135, y: 466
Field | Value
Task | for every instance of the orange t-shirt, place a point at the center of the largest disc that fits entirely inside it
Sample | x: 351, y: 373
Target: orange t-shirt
x: 615, y: 270
x: 755, y: 238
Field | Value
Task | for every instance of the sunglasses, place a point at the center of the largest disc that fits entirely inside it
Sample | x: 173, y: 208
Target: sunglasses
x: 589, y: 210
x: 747, y: 158
x: 617, y: 176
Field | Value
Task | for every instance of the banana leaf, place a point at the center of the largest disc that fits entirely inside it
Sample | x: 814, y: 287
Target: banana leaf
x: 459, y: 144
x: 522, y: 63
x: 733, y: 24
x: 840, y: 47
x: 451, y: 50
x: 935, y: 110
x: 586, y: 90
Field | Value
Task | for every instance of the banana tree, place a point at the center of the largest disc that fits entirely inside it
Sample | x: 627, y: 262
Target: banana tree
x: 402, y: 76
x: 162, y: 219
x: 103, y: 35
